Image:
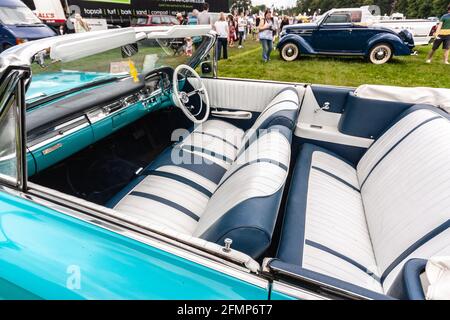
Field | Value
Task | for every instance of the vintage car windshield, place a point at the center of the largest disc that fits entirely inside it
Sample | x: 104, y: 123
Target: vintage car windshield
x: 57, y: 77
x: 322, y: 17
x: 18, y: 16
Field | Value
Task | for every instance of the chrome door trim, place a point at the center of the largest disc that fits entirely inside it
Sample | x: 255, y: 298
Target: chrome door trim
x: 329, y: 291
x: 298, y: 293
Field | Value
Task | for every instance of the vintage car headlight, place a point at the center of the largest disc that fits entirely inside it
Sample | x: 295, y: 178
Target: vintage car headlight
x: 283, y: 33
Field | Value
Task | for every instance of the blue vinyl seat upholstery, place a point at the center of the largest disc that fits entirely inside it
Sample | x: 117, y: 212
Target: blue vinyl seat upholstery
x: 220, y: 182
x: 354, y: 228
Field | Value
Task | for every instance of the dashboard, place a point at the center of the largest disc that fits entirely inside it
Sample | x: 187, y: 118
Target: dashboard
x: 61, y: 128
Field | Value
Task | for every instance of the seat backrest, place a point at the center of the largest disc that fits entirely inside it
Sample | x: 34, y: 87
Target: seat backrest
x: 405, y: 187
x: 282, y: 110
x: 245, y: 206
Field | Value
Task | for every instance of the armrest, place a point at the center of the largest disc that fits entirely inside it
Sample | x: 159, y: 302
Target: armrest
x: 241, y: 115
x: 408, y: 285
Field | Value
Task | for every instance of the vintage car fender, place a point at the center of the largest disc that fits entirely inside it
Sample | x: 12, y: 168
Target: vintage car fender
x: 301, y: 43
x: 46, y: 254
x: 399, y: 48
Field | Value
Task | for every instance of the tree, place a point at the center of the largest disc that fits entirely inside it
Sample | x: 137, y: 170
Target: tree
x: 439, y: 7
x: 258, y: 9
x: 241, y: 5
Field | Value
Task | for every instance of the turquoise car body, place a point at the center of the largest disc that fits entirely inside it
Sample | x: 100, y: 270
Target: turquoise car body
x: 44, y: 251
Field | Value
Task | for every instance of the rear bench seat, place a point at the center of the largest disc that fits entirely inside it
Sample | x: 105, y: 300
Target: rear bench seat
x: 355, y: 228
x: 220, y: 182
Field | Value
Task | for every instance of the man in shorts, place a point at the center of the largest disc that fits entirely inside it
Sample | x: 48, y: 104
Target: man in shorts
x: 442, y: 37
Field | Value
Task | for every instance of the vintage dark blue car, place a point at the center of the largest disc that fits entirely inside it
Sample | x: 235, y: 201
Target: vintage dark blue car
x: 335, y: 33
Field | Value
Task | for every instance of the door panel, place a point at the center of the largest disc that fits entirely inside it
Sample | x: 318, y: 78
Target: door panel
x: 244, y: 95
x: 333, y: 38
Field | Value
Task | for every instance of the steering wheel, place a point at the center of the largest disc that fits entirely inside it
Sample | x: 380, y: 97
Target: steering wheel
x: 182, y: 99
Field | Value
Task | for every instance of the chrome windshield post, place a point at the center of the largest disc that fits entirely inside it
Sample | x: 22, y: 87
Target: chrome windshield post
x: 13, y: 159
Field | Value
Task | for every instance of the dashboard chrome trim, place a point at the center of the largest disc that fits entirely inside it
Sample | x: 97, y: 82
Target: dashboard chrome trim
x: 58, y: 133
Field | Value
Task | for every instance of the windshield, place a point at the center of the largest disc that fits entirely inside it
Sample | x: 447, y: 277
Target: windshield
x: 57, y: 77
x: 17, y: 15
x: 322, y: 17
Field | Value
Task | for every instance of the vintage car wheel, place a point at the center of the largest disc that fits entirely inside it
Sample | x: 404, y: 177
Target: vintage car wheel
x: 289, y: 52
x: 380, y: 53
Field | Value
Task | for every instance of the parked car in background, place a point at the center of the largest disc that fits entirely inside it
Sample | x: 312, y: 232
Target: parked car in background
x: 337, y: 33
x: 18, y: 24
x: 154, y: 20
x: 419, y: 28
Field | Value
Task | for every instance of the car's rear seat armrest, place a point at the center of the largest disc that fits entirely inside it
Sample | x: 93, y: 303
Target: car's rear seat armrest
x: 408, y: 284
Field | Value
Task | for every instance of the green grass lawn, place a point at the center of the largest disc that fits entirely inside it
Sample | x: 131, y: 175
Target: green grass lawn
x: 409, y: 71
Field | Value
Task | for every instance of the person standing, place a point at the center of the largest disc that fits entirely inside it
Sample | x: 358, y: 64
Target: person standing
x: 204, y: 17
x: 266, y: 29
x: 222, y: 29
x: 242, y: 25
x: 80, y: 25
x: 193, y: 19
x: 276, y: 24
x: 284, y: 23
x: 231, y: 30
x: 181, y: 19
x: 442, y: 37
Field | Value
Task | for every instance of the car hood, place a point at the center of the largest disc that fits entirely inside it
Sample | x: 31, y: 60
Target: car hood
x: 31, y: 32
x: 305, y: 26
x: 47, y: 84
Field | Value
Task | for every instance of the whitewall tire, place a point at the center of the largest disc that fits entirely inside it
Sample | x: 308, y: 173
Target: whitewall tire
x: 380, y: 53
x: 289, y: 52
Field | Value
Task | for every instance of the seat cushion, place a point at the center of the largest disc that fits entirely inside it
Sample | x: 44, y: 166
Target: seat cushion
x: 170, y: 196
x: 405, y: 185
x: 324, y: 228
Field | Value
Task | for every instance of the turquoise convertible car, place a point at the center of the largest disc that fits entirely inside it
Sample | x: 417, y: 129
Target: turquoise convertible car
x: 129, y: 170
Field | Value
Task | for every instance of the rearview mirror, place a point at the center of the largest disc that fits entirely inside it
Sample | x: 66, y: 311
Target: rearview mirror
x: 129, y: 50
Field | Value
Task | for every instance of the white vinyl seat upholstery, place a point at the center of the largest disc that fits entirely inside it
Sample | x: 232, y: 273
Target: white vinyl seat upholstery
x: 355, y: 228
x: 219, y: 182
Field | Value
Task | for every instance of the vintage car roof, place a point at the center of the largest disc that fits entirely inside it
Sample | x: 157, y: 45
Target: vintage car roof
x: 75, y: 46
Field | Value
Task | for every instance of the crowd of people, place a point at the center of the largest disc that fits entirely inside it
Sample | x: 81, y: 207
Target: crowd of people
x: 242, y: 26
x: 235, y: 28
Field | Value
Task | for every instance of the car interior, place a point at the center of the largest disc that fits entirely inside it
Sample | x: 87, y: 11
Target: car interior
x: 330, y: 185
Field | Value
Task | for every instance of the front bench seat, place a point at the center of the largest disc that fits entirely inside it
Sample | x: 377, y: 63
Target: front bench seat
x: 355, y: 228
x: 219, y: 142
x: 212, y: 197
